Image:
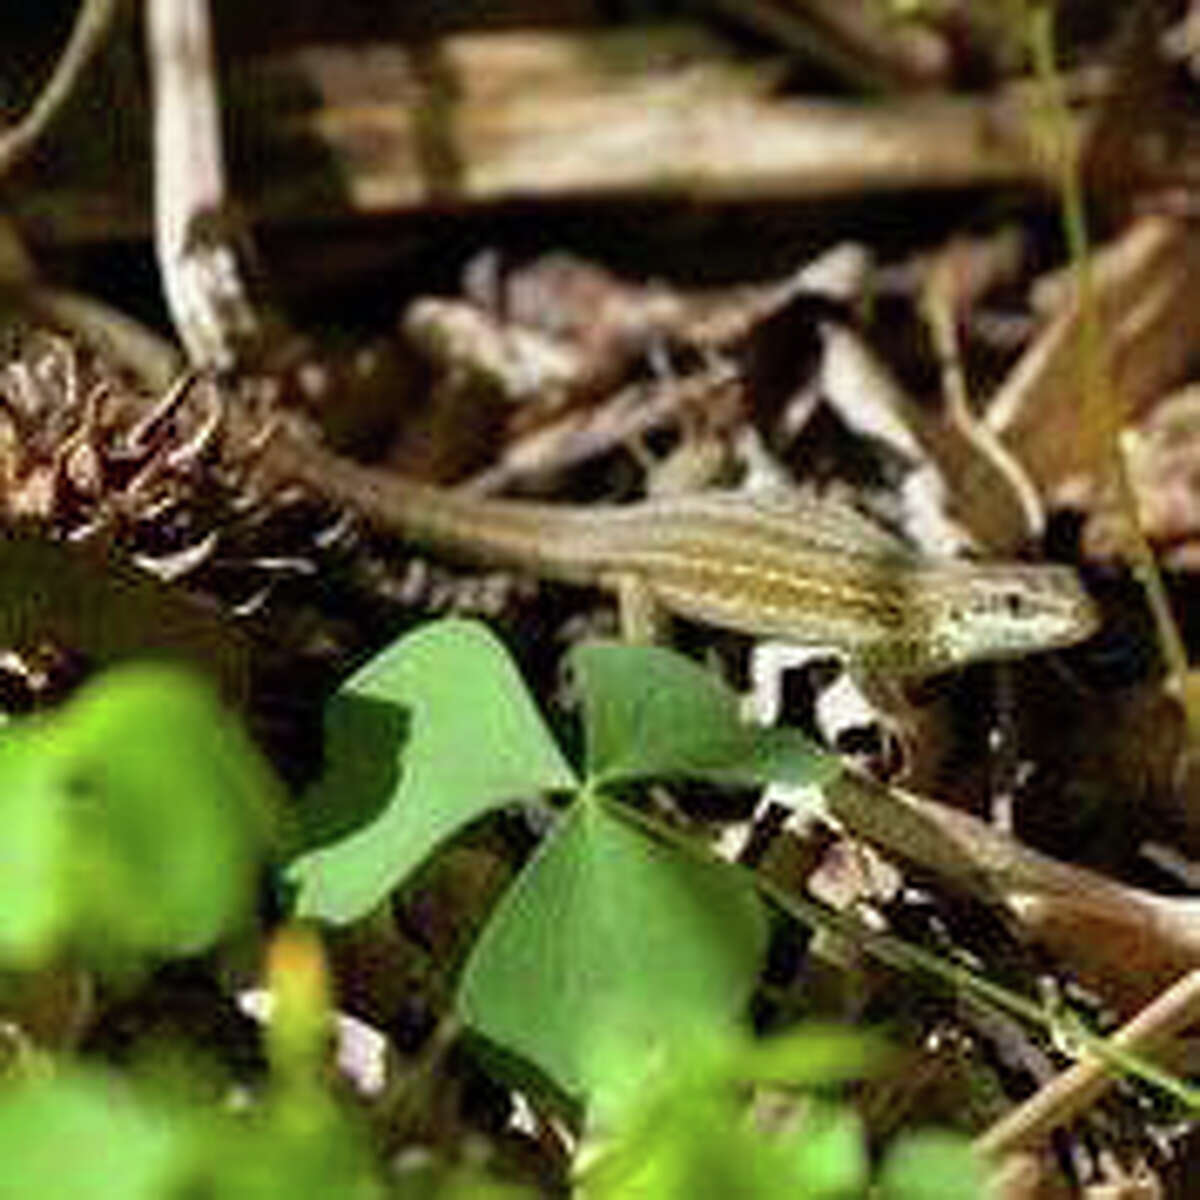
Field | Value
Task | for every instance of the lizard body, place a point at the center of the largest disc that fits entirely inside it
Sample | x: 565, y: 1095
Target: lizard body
x: 808, y: 571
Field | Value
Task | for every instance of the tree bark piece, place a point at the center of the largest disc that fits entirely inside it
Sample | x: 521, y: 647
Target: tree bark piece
x: 320, y: 132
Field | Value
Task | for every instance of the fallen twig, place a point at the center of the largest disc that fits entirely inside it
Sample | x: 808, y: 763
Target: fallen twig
x: 1068, y: 1094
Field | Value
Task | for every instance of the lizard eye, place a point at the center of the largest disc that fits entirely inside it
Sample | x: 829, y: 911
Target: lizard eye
x: 1014, y: 603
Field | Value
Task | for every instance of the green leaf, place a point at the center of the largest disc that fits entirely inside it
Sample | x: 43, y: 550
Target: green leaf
x: 37, y: 905
x: 293, y: 1146
x: 431, y: 734
x: 828, y: 1151
x: 94, y: 1136
x: 135, y: 818
x: 84, y: 1136
x: 651, y: 713
x: 687, y: 1130
x: 607, y: 943
x: 170, y: 809
x: 932, y: 1165
x: 434, y: 1180
x: 686, y: 1144
x: 811, y: 1055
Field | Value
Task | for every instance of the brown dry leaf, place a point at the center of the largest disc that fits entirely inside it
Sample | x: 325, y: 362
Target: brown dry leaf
x: 1127, y: 943
x: 516, y: 363
x: 1147, y: 292
x: 965, y: 481
x: 1162, y: 455
x: 1128, y: 948
x: 861, y: 389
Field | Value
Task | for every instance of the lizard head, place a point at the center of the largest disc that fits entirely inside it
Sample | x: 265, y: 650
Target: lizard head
x: 1006, y: 611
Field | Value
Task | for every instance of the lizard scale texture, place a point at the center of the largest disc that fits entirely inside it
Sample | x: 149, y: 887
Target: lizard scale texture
x: 809, y: 571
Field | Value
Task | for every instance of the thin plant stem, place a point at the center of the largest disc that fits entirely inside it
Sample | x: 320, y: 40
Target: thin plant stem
x: 900, y: 954
x: 1100, y: 399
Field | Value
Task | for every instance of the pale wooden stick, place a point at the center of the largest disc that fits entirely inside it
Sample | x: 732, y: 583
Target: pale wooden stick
x: 551, y: 116
x: 1068, y: 1094
x: 197, y: 254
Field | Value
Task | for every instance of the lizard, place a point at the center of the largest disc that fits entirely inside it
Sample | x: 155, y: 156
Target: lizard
x: 808, y: 571
x: 794, y: 570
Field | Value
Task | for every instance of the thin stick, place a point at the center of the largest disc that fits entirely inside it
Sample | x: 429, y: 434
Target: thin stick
x: 197, y: 257
x: 91, y: 27
x: 1068, y: 1094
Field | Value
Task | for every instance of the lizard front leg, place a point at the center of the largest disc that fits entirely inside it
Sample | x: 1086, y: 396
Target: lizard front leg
x: 643, y: 617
